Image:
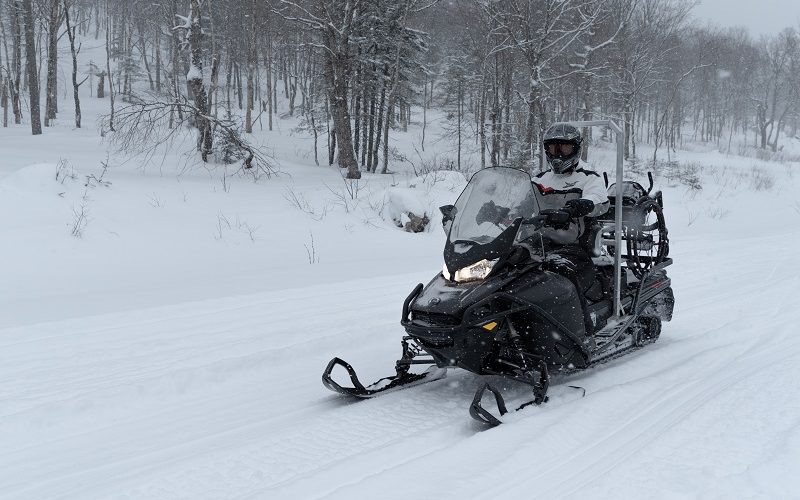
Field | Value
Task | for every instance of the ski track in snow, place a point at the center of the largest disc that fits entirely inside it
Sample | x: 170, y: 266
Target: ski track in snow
x: 223, y: 399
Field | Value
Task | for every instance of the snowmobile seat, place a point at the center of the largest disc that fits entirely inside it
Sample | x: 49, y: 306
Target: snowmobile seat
x: 594, y: 239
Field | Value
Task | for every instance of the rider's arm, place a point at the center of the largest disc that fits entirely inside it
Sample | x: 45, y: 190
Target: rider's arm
x: 594, y: 190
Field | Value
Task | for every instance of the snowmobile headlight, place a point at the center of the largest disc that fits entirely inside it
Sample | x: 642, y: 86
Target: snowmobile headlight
x: 477, y: 271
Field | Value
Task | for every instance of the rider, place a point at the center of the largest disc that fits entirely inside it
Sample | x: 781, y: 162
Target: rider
x: 573, y: 193
x: 573, y: 189
x: 569, y: 194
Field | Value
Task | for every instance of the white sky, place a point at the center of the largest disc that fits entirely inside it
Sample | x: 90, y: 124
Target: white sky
x: 761, y: 17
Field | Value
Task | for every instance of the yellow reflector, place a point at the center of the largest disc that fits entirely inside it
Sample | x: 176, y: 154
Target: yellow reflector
x: 490, y: 326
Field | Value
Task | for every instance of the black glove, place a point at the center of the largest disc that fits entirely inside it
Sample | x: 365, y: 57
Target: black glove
x: 557, y: 219
x: 490, y: 212
x: 579, y: 208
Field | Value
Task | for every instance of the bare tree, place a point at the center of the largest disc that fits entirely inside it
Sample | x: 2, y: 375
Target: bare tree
x: 30, y: 61
x: 108, y: 68
x: 143, y: 127
x: 54, y: 24
x: 75, y: 84
x: 543, y: 32
x: 194, y: 33
x: 333, y: 21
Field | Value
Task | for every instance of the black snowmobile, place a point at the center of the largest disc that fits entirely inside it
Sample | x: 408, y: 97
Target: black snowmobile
x: 505, y: 305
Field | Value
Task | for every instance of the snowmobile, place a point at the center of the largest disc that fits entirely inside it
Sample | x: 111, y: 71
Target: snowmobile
x: 505, y: 305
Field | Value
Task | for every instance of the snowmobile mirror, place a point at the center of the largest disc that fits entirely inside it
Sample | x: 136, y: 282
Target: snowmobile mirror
x: 448, y: 212
x: 448, y: 215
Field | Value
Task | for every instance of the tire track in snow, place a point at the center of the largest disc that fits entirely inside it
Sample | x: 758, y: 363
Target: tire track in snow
x: 678, y: 403
x: 221, y: 412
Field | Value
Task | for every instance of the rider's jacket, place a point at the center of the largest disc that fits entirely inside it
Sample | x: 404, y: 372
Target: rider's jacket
x: 557, y: 189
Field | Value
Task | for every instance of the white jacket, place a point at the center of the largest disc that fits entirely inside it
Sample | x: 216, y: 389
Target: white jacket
x: 557, y: 189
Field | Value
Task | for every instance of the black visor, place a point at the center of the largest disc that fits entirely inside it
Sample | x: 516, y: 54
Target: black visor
x: 560, y: 149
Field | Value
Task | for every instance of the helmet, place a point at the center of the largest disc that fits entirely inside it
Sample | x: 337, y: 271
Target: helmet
x: 562, y: 145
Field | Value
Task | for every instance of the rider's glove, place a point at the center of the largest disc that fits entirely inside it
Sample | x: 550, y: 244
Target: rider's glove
x: 579, y: 208
x: 490, y: 212
x: 557, y: 219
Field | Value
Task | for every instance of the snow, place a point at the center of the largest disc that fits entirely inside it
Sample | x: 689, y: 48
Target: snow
x: 175, y: 349
x: 194, y: 73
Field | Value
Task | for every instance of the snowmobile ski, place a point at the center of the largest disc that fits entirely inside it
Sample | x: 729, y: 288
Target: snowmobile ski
x: 402, y: 380
x: 484, y: 416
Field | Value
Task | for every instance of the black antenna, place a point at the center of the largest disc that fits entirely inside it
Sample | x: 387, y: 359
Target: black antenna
x: 605, y: 178
x: 650, y: 178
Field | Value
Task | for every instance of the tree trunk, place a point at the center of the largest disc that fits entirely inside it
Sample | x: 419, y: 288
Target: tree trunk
x: 158, y: 60
x: 175, y: 68
x: 378, y: 128
x: 75, y: 85
x: 251, y: 55
x: 108, y: 67
x: 336, y: 59
x: 97, y: 20
x: 237, y: 75
x: 460, y: 107
x: 195, y: 81
x: 143, y: 51
x: 424, y: 109
x: 17, y: 61
x: 268, y: 64
x: 365, y: 98
x: 4, y: 102
x: 371, y: 137
x: 390, y: 109
x: 33, y: 77
x: 51, y: 101
x: 357, y: 113
x: 482, y: 118
x: 331, y: 136
x: 587, y: 116
x: 531, y: 124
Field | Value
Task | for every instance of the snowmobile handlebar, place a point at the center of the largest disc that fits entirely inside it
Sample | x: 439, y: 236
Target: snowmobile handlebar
x: 555, y: 218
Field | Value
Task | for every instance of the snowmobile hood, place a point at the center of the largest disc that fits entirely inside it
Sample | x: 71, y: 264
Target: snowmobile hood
x: 441, y: 296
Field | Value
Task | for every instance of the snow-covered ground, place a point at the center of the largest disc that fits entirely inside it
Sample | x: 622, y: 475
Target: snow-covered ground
x: 174, y: 349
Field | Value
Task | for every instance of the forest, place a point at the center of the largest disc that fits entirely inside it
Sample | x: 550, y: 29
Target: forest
x: 354, y: 71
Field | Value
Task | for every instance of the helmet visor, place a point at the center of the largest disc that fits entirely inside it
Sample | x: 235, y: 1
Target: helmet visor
x: 560, y: 149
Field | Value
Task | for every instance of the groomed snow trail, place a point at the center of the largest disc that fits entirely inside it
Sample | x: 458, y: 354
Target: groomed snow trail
x: 223, y: 399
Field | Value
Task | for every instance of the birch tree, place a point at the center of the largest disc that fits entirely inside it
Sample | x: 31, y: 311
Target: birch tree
x: 193, y: 27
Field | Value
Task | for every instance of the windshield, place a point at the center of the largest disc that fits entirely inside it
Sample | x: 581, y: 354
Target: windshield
x: 490, y: 203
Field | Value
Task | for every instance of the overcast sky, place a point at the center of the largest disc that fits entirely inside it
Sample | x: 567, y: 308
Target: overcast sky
x: 762, y: 17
